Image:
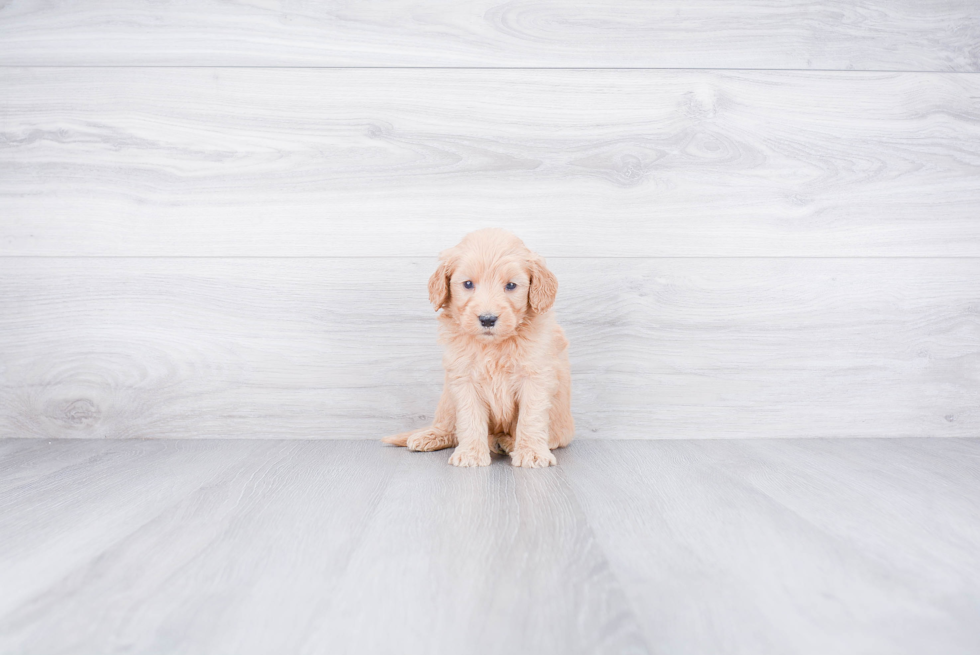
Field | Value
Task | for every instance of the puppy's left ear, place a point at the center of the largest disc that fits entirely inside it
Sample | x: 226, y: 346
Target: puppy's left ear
x: 544, y: 286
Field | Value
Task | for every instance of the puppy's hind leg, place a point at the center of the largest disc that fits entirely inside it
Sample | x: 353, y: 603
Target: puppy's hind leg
x: 430, y: 439
x: 441, y: 434
x: 501, y: 443
x: 561, y: 425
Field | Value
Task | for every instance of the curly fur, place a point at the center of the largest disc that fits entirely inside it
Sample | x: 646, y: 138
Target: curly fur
x: 507, y: 387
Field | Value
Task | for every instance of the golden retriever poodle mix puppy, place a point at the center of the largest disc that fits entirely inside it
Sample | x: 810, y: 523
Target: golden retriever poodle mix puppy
x: 508, y: 383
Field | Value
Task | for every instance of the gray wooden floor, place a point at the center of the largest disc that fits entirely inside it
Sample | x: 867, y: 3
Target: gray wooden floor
x: 217, y: 220
x: 711, y: 546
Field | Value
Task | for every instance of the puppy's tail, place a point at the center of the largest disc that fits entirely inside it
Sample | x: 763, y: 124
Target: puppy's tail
x: 398, y: 439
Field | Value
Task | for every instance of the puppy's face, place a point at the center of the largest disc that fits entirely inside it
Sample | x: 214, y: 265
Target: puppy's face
x: 490, y: 284
x: 489, y: 298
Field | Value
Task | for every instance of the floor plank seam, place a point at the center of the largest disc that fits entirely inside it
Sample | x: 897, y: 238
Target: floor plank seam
x: 634, y: 613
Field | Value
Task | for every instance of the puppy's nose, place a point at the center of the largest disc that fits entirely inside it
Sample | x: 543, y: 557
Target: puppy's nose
x: 487, y: 320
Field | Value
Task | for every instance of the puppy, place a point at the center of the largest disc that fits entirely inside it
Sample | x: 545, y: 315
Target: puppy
x: 508, y: 385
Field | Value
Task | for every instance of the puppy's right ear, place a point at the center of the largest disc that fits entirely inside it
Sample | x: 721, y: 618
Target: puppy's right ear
x: 439, y: 282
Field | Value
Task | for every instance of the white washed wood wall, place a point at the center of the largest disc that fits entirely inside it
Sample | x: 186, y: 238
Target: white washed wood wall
x: 217, y: 219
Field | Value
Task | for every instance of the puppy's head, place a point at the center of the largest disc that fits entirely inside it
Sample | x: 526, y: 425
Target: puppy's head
x: 491, y: 284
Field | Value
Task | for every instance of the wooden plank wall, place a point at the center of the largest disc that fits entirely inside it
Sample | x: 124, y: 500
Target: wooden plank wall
x: 217, y: 219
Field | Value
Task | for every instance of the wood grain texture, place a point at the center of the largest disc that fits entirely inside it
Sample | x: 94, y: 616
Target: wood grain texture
x: 827, y: 34
x: 498, y: 561
x: 333, y: 348
x: 180, y: 547
x: 162, y: 488
x: 259, y: 162
x: 305, y: 547
x: 239, y: 546
x: 791, y: 546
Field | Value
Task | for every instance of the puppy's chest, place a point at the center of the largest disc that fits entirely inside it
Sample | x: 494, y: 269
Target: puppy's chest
x: 499, y: 380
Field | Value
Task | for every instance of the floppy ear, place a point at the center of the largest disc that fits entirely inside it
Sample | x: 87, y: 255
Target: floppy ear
x: 439, y: 282
x: 544, y: 286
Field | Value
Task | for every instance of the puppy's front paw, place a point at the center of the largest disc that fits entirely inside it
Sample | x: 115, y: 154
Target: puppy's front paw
x: 532, y: 458
x: 427, y: 440
x: 470, y: 457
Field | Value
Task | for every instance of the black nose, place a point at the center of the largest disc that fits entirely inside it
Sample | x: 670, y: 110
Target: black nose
x: 487, y: 320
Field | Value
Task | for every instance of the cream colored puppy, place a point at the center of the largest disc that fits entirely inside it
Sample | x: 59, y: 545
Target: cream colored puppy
x: 508, y: 386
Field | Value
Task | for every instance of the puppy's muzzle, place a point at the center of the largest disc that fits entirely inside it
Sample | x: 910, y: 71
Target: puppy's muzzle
x: 487, y: 320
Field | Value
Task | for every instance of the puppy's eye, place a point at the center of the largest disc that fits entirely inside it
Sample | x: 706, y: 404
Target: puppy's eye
x: 510, y: 286
x: 468, y: 284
